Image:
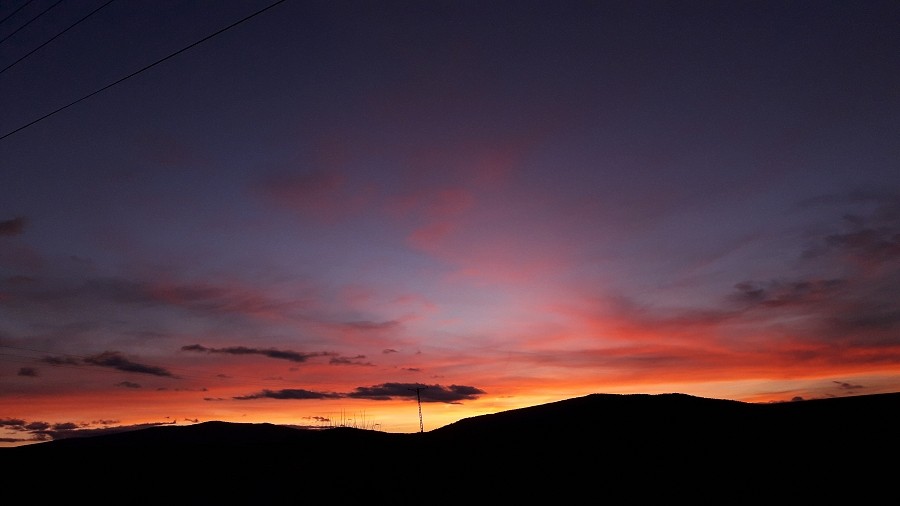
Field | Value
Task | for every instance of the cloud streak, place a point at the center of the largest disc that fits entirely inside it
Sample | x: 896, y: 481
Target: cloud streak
x: 116, y: 360
x: 293, y: 356
x: 452, y: 394
x: 428, y: 393
x: 289, y: 394
x: 43, y: 431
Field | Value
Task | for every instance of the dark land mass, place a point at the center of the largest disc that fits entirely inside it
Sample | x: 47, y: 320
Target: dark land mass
x: 599, y: 449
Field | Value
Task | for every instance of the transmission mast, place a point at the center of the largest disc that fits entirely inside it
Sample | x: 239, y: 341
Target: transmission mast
x: 419, y: 401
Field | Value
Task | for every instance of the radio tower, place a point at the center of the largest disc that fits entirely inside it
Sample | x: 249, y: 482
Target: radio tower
x: 419, y: 401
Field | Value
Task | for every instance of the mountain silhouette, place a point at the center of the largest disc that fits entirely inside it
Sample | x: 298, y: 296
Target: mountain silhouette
x: 599, y: 448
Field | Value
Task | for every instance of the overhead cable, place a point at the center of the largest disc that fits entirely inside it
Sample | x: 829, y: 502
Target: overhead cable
x: 129, y: 76
x: 30, y: 20
x: 55, y: 36
x: 13, y: 13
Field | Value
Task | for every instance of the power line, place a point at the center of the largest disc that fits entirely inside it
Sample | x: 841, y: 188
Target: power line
x: 55, y: 36
x: 30, y: 20
x: 13, y: 13
x: 129, y: 76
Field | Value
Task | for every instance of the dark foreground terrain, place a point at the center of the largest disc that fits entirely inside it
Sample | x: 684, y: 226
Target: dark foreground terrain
x: 597, y: 449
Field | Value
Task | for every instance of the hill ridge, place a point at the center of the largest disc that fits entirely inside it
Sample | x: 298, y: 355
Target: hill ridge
x: 624, y: 448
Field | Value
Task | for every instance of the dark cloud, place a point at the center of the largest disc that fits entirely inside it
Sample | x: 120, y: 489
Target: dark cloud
x: 289, y: 393
x: 783, y: 293
x: 852, y: 310
x: 293, y: 356
x: 128, y: 384
x: 60, y: 361
x: 37, y: 426
x: 63, y: 431
x: 357, y: 360
x: 869, y: 236
x: 28, y: 371
x: 369, y: 325
x: 878, y: 245
x: 860, y: 306
x: 387, y: 391
x: 427, y: 393
x: 43, y: 431
x: 848, y: 386
x: 14, y: 226
x: 116, y: 361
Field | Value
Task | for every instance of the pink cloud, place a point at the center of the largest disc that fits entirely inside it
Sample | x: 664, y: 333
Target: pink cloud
x: 432, y: 203
x: 326, y: 195
x: 495, y: 166
x: 431, y: 237
x: 232, y: 299
x: 657, y: 345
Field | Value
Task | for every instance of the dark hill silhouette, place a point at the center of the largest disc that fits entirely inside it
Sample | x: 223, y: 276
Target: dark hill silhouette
x: 599, y: 448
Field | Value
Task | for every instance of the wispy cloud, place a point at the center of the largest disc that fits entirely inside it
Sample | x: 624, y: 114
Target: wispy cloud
x: 452, y: 394
x: 216, y: 300
x: 357, y: 360
x: 369, y: 325
x: 115, y: 360
x: 42, y: 431
x: 110, y: 359
x: 289, y: 393
x: 54, y: 360
x: 869, y: 235
x: 293, y: 356
x: 427, y: 393
x: 834, y: 307
x: 778, y: 293
x: 327, y: 195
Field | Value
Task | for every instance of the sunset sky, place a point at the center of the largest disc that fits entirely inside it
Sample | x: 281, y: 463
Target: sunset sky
x: 307, y: 212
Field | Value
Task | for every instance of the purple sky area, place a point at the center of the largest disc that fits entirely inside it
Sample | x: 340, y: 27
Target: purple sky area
x: 305, y: 215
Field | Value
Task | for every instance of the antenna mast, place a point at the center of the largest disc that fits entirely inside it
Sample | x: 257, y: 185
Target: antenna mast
x: 419, y: 401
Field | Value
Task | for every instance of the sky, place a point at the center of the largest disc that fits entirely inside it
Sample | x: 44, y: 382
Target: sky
x: 398, y: 214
